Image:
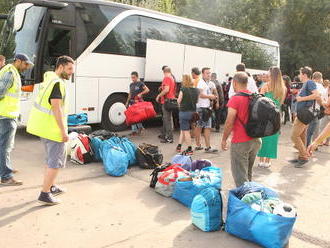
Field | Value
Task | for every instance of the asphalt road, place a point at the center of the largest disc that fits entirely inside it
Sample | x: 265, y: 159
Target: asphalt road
x: 103, y: 211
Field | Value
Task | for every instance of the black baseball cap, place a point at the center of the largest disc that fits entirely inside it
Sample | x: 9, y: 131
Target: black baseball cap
x: 23, y: 57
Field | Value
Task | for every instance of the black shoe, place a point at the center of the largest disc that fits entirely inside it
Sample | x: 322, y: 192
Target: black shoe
x: 47, y: 199
x: 56, y: 190
x: 189, y: 151
x: 198, y: 148
x: 166, y: 141
x: 301, y: 163
x: 178, y: 148
x: 293, y: 161
x: 161, y: 136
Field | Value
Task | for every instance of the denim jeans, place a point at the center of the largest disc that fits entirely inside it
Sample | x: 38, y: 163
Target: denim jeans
x: 7, y: 135
x: 136, y: 127
x: 313, y: 131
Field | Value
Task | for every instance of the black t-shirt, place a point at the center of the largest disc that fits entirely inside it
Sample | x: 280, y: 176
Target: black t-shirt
x: 56, y: 93
x: 136, y: 88
x: 189, y: 99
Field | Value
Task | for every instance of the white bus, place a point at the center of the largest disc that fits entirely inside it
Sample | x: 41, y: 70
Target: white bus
x: 109, y: 40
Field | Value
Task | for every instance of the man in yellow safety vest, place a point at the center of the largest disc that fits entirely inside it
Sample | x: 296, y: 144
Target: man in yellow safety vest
x: 10, y: 92
x: 48, y: 120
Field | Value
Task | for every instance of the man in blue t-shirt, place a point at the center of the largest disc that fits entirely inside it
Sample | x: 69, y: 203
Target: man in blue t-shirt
x: 305, y: 99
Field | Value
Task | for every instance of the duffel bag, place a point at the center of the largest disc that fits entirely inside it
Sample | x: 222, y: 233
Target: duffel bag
x: 81, y: 152
x: 148, y: 156
x: 186, y: 190
x: 266, y: 229
x: 77, y: 119
x: 206, y: 210
x: 139, y: 112
x: 167, y: 179
x: 155, y: 172
x: 96, y: 144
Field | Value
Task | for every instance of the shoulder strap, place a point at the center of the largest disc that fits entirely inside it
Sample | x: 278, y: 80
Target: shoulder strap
x: 243, y: 94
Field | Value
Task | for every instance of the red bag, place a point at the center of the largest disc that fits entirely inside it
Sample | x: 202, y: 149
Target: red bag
x: 139, y: 112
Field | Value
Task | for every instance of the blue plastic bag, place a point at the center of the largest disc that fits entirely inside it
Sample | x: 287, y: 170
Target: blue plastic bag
x: 183, y: 160
x: 206, y: 210
x: 265, y: 229
x: 185, y: 191
x: 96, y: 144
x: 77, y: 119
x: 127, y: 146
x: 115, y: 160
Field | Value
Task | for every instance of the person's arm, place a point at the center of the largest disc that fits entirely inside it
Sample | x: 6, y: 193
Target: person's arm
x: 145, y: 91
x: 231, y: 116
x: 319, y: 140
x: 165, y: 90
x: 128, y: 98
x: 6, y: 81
x: 59, y: 116
x: 180, y: 97
x: 264, y: 89
x: 215, y: 93
x: 314, y: 96
x: 231, y: 91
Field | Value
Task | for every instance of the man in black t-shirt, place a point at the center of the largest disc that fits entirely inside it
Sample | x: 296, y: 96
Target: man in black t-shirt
x: 136, y: 91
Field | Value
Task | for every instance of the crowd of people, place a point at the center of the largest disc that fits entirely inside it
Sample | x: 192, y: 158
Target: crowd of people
x: 203, y: 103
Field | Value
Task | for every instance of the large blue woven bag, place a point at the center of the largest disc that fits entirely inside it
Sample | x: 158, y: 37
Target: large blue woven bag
x: 77, y: 119
x: 96, y: 144
x: 265, y: 229
x: 206, y: 210
x: 185, y: 191
x: 127, y: 146
x: 115, y: 160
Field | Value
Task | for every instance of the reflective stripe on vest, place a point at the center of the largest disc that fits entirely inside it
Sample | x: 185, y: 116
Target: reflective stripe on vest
x: 9, y: 105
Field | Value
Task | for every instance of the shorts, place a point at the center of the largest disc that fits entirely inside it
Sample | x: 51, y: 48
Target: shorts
x: 203, y: 124
x: 184, y: 120
x: 55, y: 153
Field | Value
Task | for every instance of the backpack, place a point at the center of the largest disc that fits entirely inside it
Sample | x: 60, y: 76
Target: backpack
x: 81, y: 152
x: 148, y: 156
x: 264, y: 117
x: 206, y: 210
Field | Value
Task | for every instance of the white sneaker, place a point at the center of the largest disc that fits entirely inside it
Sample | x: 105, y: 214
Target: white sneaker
x: 267, y: 165
x: 261, y: 164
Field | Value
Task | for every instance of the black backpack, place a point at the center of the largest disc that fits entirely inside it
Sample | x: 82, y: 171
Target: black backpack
x: 264, y: 117
x: 148, y: 156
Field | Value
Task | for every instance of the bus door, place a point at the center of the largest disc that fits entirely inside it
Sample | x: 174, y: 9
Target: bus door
x: 58, y: 42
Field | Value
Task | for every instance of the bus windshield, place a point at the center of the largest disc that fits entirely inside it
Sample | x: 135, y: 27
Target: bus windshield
x: 25, y: 40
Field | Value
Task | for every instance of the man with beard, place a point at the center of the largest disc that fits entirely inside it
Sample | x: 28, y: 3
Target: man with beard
x: 10, y: 92
x: 48, y: 120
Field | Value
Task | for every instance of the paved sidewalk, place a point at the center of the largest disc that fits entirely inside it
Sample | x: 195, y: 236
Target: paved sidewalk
x: 103, y: 211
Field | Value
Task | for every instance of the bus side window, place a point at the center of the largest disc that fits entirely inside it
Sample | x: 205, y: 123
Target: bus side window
x: 57, y: 44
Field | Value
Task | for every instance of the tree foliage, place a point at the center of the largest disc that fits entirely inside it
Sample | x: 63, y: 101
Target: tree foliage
x: 302, y: 27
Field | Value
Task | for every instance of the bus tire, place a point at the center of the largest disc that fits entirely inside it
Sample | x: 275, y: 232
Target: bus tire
x: 113, y: 117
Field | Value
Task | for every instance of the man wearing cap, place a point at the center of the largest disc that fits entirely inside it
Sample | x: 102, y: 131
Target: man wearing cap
x: 10, y: 91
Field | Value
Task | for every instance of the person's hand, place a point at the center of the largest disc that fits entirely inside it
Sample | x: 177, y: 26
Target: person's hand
x: 318, y: 98
x: 217, y: 105
x: 65, y: 137
x: 224, y: 145
x: 212, y: 97
x: 311, y: 148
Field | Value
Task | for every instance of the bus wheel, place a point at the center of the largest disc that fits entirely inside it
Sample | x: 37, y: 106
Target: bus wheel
x: 113, y: 116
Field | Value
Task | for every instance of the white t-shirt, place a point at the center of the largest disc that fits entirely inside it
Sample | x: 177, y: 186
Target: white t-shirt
x: 323, y: 92
x: 206, y: 88
x: 251, y: 86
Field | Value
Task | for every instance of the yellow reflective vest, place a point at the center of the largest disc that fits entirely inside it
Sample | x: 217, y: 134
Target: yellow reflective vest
x: 10, y: 104
x: 42, y: 120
